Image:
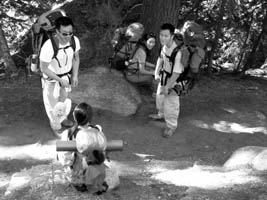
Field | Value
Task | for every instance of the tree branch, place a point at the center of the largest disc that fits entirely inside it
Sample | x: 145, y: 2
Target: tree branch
x: 4, y: 15
x: 44, y: 4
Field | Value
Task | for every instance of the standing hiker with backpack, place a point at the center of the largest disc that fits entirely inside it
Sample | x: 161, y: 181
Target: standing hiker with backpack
x: 59, y: 72
x: 167, y: 72
x: 177, y: 69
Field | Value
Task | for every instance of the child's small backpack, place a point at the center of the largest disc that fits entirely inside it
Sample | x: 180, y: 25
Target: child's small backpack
x: 125, y: 43
x: 42, y: 30
x: 91, y: 144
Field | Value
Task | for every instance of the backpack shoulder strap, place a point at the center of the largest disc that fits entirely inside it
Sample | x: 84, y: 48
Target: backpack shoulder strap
x: 173, y: 55
x: 160, y: 50
x: 134, y: 51
x: 138, y: 46
x: 95, y: 127
x: 55, y: 43
x: 72, y: 132
x: 73, y: 43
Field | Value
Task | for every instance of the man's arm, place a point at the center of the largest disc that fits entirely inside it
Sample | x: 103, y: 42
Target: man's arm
x: 158, y: 68
x: 150, y: 65
x: 75, y: 68
x: 140, y: 55
x: 145, y: 71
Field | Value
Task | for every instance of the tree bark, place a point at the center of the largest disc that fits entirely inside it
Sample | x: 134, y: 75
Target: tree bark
x: 5, y: 53
x: 250, y: 60
x: 157, y: 12
x: 256, y: 43
x: 217, y: 34
x: 243, y: 49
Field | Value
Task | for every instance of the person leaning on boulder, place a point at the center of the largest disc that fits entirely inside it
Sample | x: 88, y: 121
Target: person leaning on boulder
x: 139, y: 69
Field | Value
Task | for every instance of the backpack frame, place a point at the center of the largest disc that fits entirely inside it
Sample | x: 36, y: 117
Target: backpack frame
x: 122, y: 39
x: 120, y: 58
x: 44, y: 29
x: 187, y: 78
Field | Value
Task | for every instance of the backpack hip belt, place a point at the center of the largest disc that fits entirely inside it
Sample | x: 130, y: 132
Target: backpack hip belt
x: 60, y: 76
x: 57, y: 87
x: 164, y: 76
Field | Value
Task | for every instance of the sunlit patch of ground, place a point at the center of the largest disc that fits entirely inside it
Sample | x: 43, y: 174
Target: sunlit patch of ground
x: 35, y: 151
x: 257, y: 125
x: 230, y: 127
x: 207, y: 177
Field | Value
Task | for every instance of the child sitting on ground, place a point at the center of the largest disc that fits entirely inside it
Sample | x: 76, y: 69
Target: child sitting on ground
x: 85, y: 168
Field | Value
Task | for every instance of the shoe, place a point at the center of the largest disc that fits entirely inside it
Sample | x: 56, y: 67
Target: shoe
x: 57, y: 129
x: 55, y: 126
x: 67, y: 123
x: 168, y: 132
x: 156, y: 117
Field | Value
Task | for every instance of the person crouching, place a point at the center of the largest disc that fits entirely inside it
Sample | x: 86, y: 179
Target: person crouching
x: 85, y: 167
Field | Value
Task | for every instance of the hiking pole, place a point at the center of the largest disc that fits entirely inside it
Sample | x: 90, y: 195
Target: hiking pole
x: 112, y: 145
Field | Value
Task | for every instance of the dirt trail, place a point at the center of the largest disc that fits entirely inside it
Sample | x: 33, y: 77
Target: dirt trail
x: 218, y: 117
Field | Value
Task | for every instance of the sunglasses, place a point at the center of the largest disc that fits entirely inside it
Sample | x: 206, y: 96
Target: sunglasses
x: 152, y: 35
x: 66, y: 34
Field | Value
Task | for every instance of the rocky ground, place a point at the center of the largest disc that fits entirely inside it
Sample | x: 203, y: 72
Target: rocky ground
x: 222, y: 114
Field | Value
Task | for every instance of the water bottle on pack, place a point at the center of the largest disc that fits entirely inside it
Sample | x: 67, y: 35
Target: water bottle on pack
x: 34, y: 63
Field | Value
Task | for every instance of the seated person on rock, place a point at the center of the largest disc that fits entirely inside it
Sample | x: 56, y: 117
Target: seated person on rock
x: 85, y: 168
x: 139, y: 69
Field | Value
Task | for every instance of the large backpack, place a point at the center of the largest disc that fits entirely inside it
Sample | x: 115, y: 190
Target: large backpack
x: 192, y: 42
x: 125, y: 43
x: 42, y: 30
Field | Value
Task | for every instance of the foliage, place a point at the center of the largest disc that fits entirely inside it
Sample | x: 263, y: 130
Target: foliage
x: 241, y: 27
x: 17, y: 16
x: 101, y: 18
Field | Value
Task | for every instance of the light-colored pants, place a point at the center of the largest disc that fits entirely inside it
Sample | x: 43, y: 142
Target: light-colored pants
x: 168, y: 106
x: 57, y: 106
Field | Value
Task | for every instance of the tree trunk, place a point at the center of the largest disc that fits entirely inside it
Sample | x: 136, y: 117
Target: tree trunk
x: 157, y: 12
x: 5, y: 54
x: 256, y: 43
x: 243, y: 49
x: 250, y: 60
x: 217, y: 34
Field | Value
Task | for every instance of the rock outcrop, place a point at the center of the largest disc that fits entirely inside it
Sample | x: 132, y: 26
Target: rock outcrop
x: 106, y: 89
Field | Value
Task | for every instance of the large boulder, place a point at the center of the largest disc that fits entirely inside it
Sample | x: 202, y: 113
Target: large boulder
x: 253, y: 156
x: 106, y: 89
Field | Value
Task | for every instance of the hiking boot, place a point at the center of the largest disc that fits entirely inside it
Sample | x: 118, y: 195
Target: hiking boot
x: 156, y: 117
x: 67, y: 123
x: 168, y: 132
x: 57, y: 129
x: 55, y: 126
